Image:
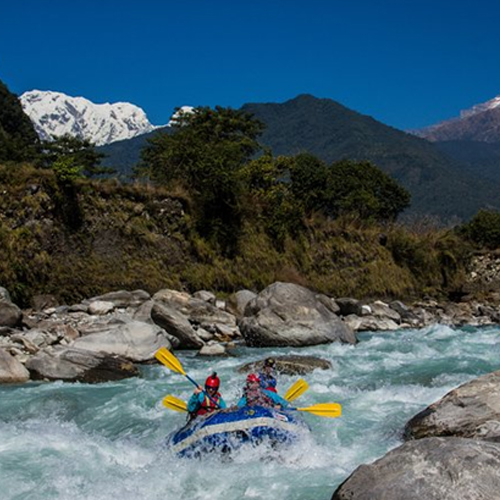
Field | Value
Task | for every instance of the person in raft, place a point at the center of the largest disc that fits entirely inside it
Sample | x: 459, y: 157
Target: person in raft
x: 267, y: 377
x: 201, y: 403
x: 255, y: 395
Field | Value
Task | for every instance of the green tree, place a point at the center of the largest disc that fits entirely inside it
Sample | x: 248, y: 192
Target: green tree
x: 78, y: 152
x: 270, y: 197
x: 309, y: 183
x: 363, y: 189
x: 483, y: 229
x: 205, y: 155
x: 18, y: 138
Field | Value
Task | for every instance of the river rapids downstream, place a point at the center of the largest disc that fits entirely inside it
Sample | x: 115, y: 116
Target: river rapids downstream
x: 75, y: 441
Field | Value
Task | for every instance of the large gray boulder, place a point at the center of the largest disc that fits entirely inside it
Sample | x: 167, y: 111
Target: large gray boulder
x: 285, y: 314
x: 176, y: 324
x: 472, y: 410
x: 70, y: 364
x: 199, y: 313
x: 429, y: 469
x: 11, y: 370
x: 10, y: 314
x: 134, y: 340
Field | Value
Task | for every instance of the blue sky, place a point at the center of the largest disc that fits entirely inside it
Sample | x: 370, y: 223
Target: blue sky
x: 406, y: 63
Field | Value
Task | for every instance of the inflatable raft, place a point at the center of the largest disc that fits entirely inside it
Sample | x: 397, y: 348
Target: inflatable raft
x: 227, y: 430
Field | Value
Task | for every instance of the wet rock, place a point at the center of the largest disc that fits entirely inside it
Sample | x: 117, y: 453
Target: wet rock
x: 430, y: 469
x: 71, y: 364
x: 290, y: 365
x: 285, y: 314
x: 471, y: 410
x: 212, y: 349
x: 11, y: 370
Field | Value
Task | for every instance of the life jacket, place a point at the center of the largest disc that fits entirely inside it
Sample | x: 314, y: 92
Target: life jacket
x: 268, y: 382
x: 256, y: 397
x: 208, y: 406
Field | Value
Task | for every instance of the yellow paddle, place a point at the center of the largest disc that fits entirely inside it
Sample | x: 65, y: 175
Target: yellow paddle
x: 174, y: 403
x: 164, y: 356
x: 296, y: 390
x: 331, y: 410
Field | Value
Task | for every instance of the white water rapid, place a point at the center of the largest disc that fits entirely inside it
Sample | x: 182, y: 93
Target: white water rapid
x: 102, y: 442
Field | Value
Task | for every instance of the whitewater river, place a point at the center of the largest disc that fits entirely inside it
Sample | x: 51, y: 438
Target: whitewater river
x: 96, y: 442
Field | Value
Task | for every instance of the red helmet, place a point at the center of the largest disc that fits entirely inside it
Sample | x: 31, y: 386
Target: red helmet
x: 213, y: 381
x: 253, y: 378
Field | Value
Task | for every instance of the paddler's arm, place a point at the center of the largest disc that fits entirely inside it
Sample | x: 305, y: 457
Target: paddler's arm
x: 277, y: 399
x: 222, y: 404
x: 194, y: 402
x: 242, y: 402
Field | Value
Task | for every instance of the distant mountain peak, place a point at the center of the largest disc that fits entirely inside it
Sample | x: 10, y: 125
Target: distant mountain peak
x: 479, y: 123
x: 57, y: 114
x: 479, y: 108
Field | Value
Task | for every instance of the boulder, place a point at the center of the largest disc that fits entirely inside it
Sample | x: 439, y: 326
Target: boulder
x: 238, y: 301
x: 11, y: 370
x: 348, y: 306
x: 4, y: 294
x: 10, y: 314
x: 471, y: 410
x: 123, y: 298
x: 370, y: 323
x: 289, y: 365
x: 135, y: 341
x: 206, y: 296
x: 429, y: 469
x: 176, y: 324
x: 100, y: 307
x: 41, y: 302
x: 382, y: 310
x: 212, y: 349
x: 285, y: 314
x: 71, y: 364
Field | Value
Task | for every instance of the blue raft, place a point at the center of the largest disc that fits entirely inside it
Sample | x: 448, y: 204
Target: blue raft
x: 227, y: 430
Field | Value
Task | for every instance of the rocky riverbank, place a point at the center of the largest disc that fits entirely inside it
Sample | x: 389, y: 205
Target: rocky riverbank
x: 453, y: 448
x: 105, y: 337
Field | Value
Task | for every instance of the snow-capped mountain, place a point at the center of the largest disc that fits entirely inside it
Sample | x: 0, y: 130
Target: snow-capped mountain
x: 479, y: 108
x: 55, y: 113
x: 481, y: 123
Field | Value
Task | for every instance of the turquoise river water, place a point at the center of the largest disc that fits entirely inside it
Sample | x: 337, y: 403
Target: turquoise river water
x: 100, y: 442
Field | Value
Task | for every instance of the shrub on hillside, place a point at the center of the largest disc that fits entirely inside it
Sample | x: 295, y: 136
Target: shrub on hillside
x: 483, y: 229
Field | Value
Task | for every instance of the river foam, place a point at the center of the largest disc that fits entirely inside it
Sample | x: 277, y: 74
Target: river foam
x: 101, y: 442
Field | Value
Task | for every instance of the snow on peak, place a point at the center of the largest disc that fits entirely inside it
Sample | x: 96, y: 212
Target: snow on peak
x: 479, y: 108
x: 56, y: 114
x: 183, y: 110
